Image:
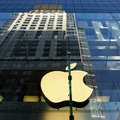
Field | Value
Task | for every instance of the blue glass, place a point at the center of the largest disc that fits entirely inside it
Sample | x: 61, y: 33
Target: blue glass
x: 90, y: 24
x: 104, y: 51
x: 88, y: 6
x: 106, y: 33
x: 104, y: 24
x: 3, y: 18
x: 54, y: 1
x: 90, y: 33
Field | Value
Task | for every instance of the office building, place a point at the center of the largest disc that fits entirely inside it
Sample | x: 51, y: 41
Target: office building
x: 38, y: 40
x: 33, y: 44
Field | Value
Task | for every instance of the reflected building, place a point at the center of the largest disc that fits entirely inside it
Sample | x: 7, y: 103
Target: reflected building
x: 102, y: 31
x: 103, y: 41
x: 35, y: 43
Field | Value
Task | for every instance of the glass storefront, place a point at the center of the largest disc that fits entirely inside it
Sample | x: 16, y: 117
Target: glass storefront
x: 36, y: 49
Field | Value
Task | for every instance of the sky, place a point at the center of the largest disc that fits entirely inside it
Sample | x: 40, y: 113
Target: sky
x: 4, y: 17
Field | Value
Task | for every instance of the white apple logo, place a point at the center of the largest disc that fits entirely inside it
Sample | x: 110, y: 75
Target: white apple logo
x: 55, y: 89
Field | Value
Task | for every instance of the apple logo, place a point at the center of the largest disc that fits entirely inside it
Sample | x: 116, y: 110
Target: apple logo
x: 55, y: 89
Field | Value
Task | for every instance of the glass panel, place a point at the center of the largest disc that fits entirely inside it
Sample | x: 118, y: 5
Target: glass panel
x: 36, y: 47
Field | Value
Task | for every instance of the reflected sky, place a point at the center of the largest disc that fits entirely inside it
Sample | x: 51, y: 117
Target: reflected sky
x: 4, y: 17
x: 95, y: 6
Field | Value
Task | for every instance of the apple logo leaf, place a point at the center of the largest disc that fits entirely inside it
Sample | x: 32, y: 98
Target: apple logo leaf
x: 72, y: 66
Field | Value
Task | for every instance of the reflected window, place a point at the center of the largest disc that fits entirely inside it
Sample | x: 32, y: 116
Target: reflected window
x: 49, y: 27
x: 32, y: 27
x: 42, y: 65
x: 41, y: 28
x: 27, y: 73
x: 90, y: 24
x: 104, y: 24
x: 107, y: 34
x: 22, y: 27
x: 13, y: 73
x: 56, y: 64
x: 90, y: 33
x: 15, y: 65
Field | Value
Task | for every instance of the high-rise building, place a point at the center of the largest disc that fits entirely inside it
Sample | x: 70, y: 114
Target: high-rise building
x: 34, y: 44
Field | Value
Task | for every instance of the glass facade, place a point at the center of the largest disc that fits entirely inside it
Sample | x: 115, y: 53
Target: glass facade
x: 93, y: 6
x: 104, y: 50
x: 38, y: 37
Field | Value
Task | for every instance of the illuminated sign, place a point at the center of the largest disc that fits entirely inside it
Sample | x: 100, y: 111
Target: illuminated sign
x: 55, y: 89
